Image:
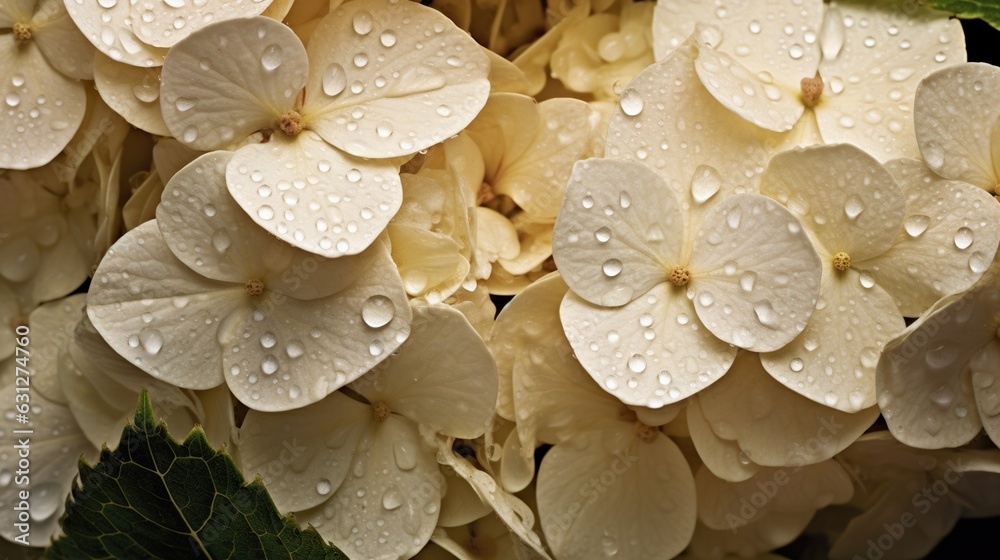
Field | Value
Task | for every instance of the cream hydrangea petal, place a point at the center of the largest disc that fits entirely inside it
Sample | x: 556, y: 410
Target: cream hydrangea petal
x: 230, y: 79
x: 925, y: 389
x: 517, y: 469
x: 618, y: 231
x: 496, y: 238
x: 754, y: 273
x: 427, y: 261
x: 132, y: 91
x: 108, y: 27
x: 10, y: 318
x: 442, y: 378
x: 56, y: 445
x: 303, y: 454
x: 954, y: 115
x: 536, y: 246
x: 802, y: 489
x: 872, y: 71
x: 723, y: 457
x: 139, y: 293
x: 53, y: 324
x: 43, y: 109
x: 774, y: 425
x: 754, y: 97
x: 211, y: 234
x: 842, y: 195
x: 433, y: 78
x: 833, y: 361
x: 667, y: 121
x: 752, y: 540
x: 960, y: 239
x: 650, y: 352
x: 95, y: 399
x: 163, y: 24
x: 313, y: 196
x: 985, y: 367
x: 64, y: 46
x: 777, y: 37
x: 16, y: 11
x: 291, y: 352
x: 583, y: 516
x: 460, y: 505
x: 403, y: 491
x: 503, y: 131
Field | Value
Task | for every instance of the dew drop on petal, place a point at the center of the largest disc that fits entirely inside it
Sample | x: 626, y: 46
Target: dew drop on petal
x: 916, y: 225
x: 377, y: 311
x: 334, y: 79
x: 853, y: 207
x: 631, y: 102
x: 363, y: 22
x: 637, y: 363
x: 603, y: 234
x: 323, y: 487
x: 963, y: 238
x: 391, y: 499
x: 705, y: 184
x: 612, y: 267
x: 272, y: 57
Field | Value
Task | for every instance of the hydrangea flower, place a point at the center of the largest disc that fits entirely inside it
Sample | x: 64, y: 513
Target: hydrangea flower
x: 660, y: 300
x: 854, y: 64
x: 202, y: 297
x: 886, y: 252
x: 369, y: 481
x: 382, y: 79
x: 43, y: 58
x: 937, y: 381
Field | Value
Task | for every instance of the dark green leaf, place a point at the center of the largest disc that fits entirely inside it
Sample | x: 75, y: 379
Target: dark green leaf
x: 155, y: 498
x: 986, y: 10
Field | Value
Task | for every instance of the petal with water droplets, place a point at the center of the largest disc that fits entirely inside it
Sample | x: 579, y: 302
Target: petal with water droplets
x: 954, y: 113
x: 723, y: 457
x: 754, y: 273
x: 163, y: 27
x: 398, y: 72
x: 224, y: 81
x: 985, y: 369
x: 133, y: 92
x: 64, y: 46
x: 618, y: 232
x: 109, y: 29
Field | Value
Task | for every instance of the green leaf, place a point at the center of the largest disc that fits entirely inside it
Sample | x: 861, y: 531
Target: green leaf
x: 155, y: 498
x: 986, y: 10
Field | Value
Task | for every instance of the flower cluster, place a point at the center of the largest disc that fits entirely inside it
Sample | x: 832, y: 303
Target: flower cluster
x: 746, y: 252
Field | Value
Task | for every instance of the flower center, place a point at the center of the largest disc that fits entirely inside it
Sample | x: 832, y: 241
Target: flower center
x: 254, y: 287
x: 812, y: 90
x: 679, y: 275
x: 842, y: 261
x: 381, y: 411
x: 22, y: 32
x: 291, y: 123
x: 646, y: 433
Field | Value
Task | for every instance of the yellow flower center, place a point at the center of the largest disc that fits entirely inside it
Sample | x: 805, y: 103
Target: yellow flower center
x: 381, y: 411
x: 254, y: 287
x: 647, y: 434
x: 291, y: 123
x: 842, y: 261
x: 22, y: 32
x: 679, y: 275
x: 812, y: 90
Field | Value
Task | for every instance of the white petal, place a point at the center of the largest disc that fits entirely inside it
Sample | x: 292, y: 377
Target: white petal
x: 132, y: 92
x: 803, y: 490
x: 774, y: 425
x: 428, y: 261
x: 947, y: 219
x: 755, y: 98
x: 229, y: 79
x: 593, y: 503
x: 403, y: 493
x: 303, y: 455
x: 139, y: 293
x: 42, y: 108
x: 754, y: 273
x: 110, y: 31
x: 924, y: 385
x: 160, y: 26
x: 954, y: 115
x: 16, y: 11
x: 721, y: 456
x: 777, y: 37
x: 618, y: 233
x: 53, y: 324
x: 313, y: 196
x: 871, y: 80
x: 985, y: 368
x: 433, y: 78
x: 10, y: 317
x: 669, y: 122
x: 752, y: 540
x: 460, y: 505
x: 650, y: 352
x: 210, y: 233
x: 833, y: 361
x: 289, y: 352
x: 62, y: 43
x: 841, y: 194
x: 443, y: 377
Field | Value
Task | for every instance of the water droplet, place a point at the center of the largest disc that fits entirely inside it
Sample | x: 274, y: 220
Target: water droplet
x: 978, y: 263
x: 151, y: 341
x: 323, y: 487
x: 334, y: 79
x: 391, y: 499
x: 269, y: 364
x: 796, y: 51
x: 637, y: 363
x: 765, y: 314
x: 271, y: 57
x: 265, y: 212
x: 221, y: 240
x: 376, y: 347
x: 733, y: 217
x: 190, y: 134
x: 612, y: 267
x: 796, y: 364
x: 866, y: 280
x: 377, y: 311
x: 747, y: 280
x: 363, y: 22
x: 631, y: 102
x: 384, y: 129
x: 706, y: 299
x: 387, y: 38
x: 916, y: 225
x: 294, y: 349
x: 963, y: 238
x: 853, y: 207
x: 705, y: 183
x: 405, y: 455
x: 603, y: 234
